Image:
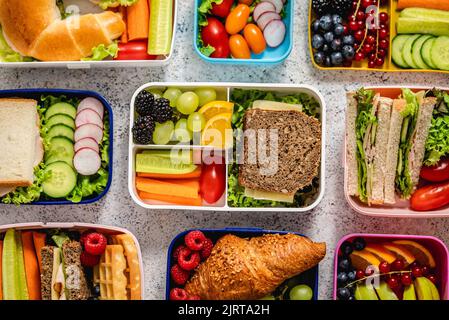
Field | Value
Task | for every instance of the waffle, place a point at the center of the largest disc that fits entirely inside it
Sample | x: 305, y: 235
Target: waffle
x: 110, y: 274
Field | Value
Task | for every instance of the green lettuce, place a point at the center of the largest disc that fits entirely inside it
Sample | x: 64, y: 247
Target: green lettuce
x: 59, y: 239
x: 104, y: 4
x: 102, y: 52
x: 204, y: 10
x: 9, y: 55
x: 206, y: 50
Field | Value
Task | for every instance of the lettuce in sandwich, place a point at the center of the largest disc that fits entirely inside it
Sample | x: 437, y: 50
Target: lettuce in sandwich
x: 105, y: 4
x: 7, y: 54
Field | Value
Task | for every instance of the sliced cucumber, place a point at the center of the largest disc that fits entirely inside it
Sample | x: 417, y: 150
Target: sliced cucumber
x: 61, y: 182
x: 61, y: 130
x: 416, y: 52
x: 60, y: 119
x: 61, y: 149
x: 440, y: 53
x: 407, y: 51
x: 61, y: 108
x: 177, y: 156
x: 161, y: 27
x: 396, y: 50
x: 147, y: 163
x: 425, y: 52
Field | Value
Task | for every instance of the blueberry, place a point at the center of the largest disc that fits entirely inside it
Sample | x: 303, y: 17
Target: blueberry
x: 342, y: 277
x: 344, y: 263
x: 359, y: 243
x: 319, y: 57
x: 326, y: 48
x: 351, y: 298
x: 327, y: 61
x: 336, y: 19
x: 336, y: 44
x: 337, y: 60
x: 351, y: 275
x: 348, y: 52
x: 346, y: 248
x: 96, y: 290
x: 329, y: 37
x: 339, y: 30
x: 343, y: 293
x: 316, y: 26
x: 348, y: 40
x: 317, y: 41
x: 326, y: 22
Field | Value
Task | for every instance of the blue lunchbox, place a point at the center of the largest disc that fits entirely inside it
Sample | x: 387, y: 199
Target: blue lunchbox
x: 36, y: 94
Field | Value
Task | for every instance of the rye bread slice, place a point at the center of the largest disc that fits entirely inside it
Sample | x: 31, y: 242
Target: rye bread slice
x: 298, y: 145
x: 47, y: 272
x: 76, y: 283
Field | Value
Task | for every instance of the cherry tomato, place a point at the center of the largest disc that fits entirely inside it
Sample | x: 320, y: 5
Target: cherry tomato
x: 254, y: 37
x: 237, y: 19
x: 239, y: 47
x: 430, y: 197
x: 247, y: 2
x: 214, y: 33
x: 213, y: 181
x: 222, y: 51
x: 134, y: 50
x: 222, y: 10
x: 436, y: 173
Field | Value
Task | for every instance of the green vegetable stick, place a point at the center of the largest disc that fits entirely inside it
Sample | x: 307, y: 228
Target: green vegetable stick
x: 10, y: 284
x: 161, y: 27
x: 20, y: 269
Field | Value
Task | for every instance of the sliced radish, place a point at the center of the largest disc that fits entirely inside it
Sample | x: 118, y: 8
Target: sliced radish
x: 88, y: 116
x: 87, y: 162
x: 278, y: 4
x: 92, y: 103
x: 87, y: 143
x: 89, y: 131
x: 274, y: 33
x: 266, y: 18
x: 261, y: 8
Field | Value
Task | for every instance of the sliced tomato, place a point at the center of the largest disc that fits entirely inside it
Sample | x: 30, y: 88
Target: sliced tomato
x: 430, y: 197
x: 222, y: 10
x: 134, y: 50
x: 436, y: 173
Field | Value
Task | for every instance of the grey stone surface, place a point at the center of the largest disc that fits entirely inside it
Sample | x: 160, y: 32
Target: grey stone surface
x: 332, y: 219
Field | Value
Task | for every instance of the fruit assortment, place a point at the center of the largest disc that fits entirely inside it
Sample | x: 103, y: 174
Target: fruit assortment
x: 240, y: 29
x: 390, y: 270
x: 43, y: 264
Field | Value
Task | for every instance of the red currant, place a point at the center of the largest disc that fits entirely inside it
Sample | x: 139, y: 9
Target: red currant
x: 383, y: 44
x: 393, y: 283
x: 354, y: 5
x: 359, y: 56
x: 353, y: 25
x: 369, y: 271
x: 360, y: 274
x: 384, y: 267
x: 432, y: 278
x: 398, y: 265
x: 358, y: 35
x: 414, y: 264
x: 367, y: 3
x: 379, y: 61
x: 425, y: 270
x: 345, y: 29
x: 406, y: 279
x: 383, y: 17
x: 417, y: 272
x: 367, y: 48
x: 370, y: 39
x: 383, y: 33
x: 372, y: 56
x: 371, y: 64
x: 381, y: 53
x: 361, y: 25
x: 360, y: 16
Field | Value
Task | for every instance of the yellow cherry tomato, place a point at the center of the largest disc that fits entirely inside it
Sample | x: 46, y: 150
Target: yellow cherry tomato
x: 237, y: 19
x: 254, y: 36
x: 247, y: 2
x: 239, y: 47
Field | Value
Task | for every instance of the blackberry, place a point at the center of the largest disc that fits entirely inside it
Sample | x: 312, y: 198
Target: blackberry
x: 143, y: 129
x: 340, y: 7
x: 162, y: 110
x: 144, y: 103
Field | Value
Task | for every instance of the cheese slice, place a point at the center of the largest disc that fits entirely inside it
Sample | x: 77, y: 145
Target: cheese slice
x: 57, y: 285
x: 276, y: 106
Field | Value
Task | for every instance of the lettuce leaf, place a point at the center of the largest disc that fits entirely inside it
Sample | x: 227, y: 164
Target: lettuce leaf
x: 204, y: 10
x: 7, y: 54
x: 59, y: 239
x: 104, y: 4
x: 102, y: 52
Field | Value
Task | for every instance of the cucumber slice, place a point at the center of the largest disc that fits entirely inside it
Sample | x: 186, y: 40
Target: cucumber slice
x: 396, y: 50
x: 61, y: 130
x: 440, y: 53
x: 61, y: 182
x: 161, y: 27
x: 147, y: 163
x: 416, y: 52
x: 407, y: 51
x: 61, y: 149
x: 61, y: 108
x: 60, y: 119
x: 176, y: 156
x: 425, y: 52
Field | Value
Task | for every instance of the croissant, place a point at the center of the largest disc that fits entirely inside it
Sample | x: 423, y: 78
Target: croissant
x: 242, y: 269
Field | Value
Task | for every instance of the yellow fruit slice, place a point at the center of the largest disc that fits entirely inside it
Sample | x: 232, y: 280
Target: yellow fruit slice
x: 381, y: 252
x: 213, y: 108
x: 421, y: 253
x: 363, y: 259
x: 401, y: 251
x: 218, y: 132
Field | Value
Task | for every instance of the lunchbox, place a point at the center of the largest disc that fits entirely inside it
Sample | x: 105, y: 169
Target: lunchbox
x: 269, y: 57
x: 433, y: 244
x: 310, y: 276
x: 401, y: 209
x: 36, y: 94
x: 84, y: 6
x: 224, y: 92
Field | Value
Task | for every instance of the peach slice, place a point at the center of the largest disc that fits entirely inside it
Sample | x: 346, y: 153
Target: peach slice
x: 361, y: 260
x: 422, y: 254
x: 401, y: 252
x: 381, y: 252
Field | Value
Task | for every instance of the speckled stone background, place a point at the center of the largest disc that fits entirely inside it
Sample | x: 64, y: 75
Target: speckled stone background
x: 328, y: 222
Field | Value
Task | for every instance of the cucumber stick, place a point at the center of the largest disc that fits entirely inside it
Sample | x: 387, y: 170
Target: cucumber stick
x: 422, y: 26
x: 20, y: 265
x: 13, y: 267
x: 423, y: 13
x: 161, y: 27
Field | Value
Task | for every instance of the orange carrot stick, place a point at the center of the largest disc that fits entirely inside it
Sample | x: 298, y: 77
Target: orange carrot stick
x: 39, y: 243
x: 188, y: 188
x: 171, y: 199
x: 194, y: 174
x: 31, y: 266
x: 123, y: 12
x: 138, y: 19
x: 429, y: 4
x: 1, y: 263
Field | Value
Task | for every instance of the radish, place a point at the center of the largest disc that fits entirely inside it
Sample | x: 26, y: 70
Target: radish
x: 91, y: 103
x: 266, y: 18
x: 274, y: 33
x: 278, y: 4
x: 87, y: 162
x: 261, y: 8
x: 88, y: 116
x: 89, y: 131
x: 87, y: 143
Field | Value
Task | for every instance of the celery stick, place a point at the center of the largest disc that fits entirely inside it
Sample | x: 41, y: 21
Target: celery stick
x: 20, y: 263
x: 161, y: 27
x: 9, y: 276
x: 420, y: 26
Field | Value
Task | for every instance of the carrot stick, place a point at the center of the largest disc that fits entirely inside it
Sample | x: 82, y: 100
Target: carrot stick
x: 1, y: 263
x: 430, y: 4
x: 194, y: 174
x: 31, y: 266
x: 123, y: 12
x: 138, y: 19
x: 188, y: 188
x: 39, y: 243
x: 171, y: 199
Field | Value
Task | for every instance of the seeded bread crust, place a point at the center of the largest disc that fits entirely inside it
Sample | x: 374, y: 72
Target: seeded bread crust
x: 47, y: 272
x: 76, y: 283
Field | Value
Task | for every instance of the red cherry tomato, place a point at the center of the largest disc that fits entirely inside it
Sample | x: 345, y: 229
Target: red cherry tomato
x: 436, y: 173
x: 222, y: 10
x: 247, y: 2
x: 213, y: 181
x: 430, y: 197
x: 214, y: 33
x: 222, y: 51
x: 134, y: 50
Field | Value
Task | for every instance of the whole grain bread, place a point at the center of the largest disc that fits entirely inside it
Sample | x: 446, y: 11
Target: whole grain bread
x: 76, y: 283
x: 47, y: 272
x: 298, y: 150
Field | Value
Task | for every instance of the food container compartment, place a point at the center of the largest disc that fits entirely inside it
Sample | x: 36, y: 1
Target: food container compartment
x: 310, y: 277
x: 36, y: 94
x: 269, y: 57
x: 224, y: 91
x: 401, y: 209
x: 78, y: 226
x: 433, y: 244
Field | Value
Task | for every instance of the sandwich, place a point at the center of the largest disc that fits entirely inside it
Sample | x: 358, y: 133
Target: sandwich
x: 281, y: 151
x: 385, y: 144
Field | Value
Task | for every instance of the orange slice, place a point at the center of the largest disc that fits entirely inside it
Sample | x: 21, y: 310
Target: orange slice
x: 381, y: 252
x: 218, y: 132
x: 401, y: 252
x: 213, y: 108
x: 421, y: 253
x: 361, y: 260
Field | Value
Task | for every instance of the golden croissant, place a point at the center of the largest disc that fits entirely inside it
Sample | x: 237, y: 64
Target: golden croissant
x: 242, y: 269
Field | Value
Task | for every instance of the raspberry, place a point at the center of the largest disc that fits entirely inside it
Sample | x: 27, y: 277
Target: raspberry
x: 179, y: 275
x: 95, y: 243
x: 84, y: 235
x: 176, y: 252
x: 178, y: 294
x: 194, y: 240
x: 194, y: 298
x: 208, y: 245
x: 188, y: 259
x: 89, y: 260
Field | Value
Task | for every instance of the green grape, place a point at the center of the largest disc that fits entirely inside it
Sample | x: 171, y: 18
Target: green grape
x: 301, y: 292
x: 206, y: 95
x: 172, y: 94
x: 269, y: 297
x: 187, y: 102
x: 196, y: 122
x: 182, y: 133
x: 157, y: 93
x: 163, y: 132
